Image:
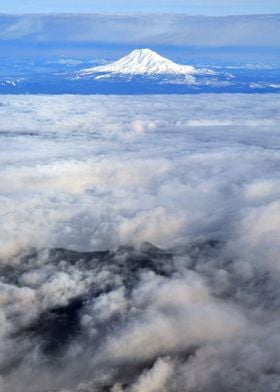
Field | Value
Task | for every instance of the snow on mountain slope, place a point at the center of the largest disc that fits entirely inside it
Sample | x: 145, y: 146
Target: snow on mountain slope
x: 144, y: 62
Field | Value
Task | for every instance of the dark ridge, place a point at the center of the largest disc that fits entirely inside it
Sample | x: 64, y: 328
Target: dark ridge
x: 56, y: 327
x: 72, y: 256
x: 125, y: 260
x: 199, y: 246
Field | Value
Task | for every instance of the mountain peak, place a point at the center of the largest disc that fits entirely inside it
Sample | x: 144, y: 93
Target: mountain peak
x: 144, y: 51
x: 142, y: 62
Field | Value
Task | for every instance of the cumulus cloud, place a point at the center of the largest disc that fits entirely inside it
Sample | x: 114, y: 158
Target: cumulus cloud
x: 73, y: 175
x: 87, y: 185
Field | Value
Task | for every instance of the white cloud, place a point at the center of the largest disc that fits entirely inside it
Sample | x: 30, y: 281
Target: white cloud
x: 72, y: 175
x: 96, y: 172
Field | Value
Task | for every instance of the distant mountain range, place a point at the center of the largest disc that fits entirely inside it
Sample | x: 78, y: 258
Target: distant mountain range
x: 142, y: 71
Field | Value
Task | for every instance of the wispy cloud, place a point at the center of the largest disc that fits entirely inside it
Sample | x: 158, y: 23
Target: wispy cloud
x: 144, y: 29
x: 20, y: 28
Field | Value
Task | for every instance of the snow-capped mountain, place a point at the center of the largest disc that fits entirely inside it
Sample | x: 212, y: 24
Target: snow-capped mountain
x: 145, y: 63
x: 142, y: 71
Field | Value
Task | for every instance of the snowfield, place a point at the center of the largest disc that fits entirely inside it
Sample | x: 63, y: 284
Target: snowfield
x: 146, y: 62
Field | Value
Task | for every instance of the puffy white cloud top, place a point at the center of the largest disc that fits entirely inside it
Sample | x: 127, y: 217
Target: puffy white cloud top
x: 92, y: 173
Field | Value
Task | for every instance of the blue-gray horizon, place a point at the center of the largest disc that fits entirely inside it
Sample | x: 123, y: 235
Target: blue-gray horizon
x: 210, y: 7
x: 244, y: 38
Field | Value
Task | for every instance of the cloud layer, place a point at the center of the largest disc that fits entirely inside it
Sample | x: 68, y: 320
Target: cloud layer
x: 147, y: 29
x: 185, y: 38
x: 195, y: 175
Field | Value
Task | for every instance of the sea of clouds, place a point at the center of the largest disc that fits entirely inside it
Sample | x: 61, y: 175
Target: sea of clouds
x: 177, y: 199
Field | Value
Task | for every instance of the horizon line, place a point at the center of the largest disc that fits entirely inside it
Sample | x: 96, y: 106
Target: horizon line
x: 140, y: 13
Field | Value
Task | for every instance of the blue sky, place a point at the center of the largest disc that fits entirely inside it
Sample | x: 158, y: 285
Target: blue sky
x: 206, y: 7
